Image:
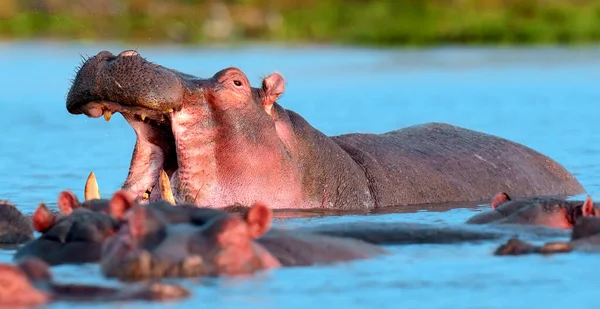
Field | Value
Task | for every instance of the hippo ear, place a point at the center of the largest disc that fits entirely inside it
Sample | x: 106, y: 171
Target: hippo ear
x: 137, y: 221
x: 273, y: 86
x: 258, y: 218
x: 500, y: 199
x: 588, y: 208
x: 67, y: 201
x: 119, y: 203
x: 43, y: 219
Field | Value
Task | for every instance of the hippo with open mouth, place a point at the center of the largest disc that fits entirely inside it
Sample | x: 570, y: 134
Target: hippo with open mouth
x: 222, y: 141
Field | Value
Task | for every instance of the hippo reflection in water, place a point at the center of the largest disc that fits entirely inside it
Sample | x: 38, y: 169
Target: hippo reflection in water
x: 223, y: 142
x: 585, y: 237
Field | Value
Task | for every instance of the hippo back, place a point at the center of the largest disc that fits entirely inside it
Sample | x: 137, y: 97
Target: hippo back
x: 437, y: 162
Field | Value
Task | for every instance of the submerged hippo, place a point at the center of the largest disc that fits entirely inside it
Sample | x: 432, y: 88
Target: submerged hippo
x: 29, y: 284
x: 585, y: 237
x: 212, y: 243
x: 546, y: 211
x: 15, y: 227
x: 78, y: 235
x: 223, y: 142
x: 159, y: 240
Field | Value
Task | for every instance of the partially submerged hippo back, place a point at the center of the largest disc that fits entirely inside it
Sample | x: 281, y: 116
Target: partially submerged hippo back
x: 15, y: 227
x: 436, y: 162
x: 222, y: 142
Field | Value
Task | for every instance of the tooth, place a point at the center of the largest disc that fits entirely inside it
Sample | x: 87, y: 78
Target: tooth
x: 165, y: 188
x: 107, y: 115
x: 143, y: 116
x: 91, y: 190
x: 145, y: 196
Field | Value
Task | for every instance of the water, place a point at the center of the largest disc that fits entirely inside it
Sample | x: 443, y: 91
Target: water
x: 546, y: 99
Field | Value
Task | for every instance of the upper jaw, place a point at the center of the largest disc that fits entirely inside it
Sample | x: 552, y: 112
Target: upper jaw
x: 126, y: 79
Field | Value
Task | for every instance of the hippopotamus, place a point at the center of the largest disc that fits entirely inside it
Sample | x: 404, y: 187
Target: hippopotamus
x: 214, y: 243
x: 161, y: 240
x: 77, y: 235
x: 222, y: 141
x: 546, y: 211
x: 15, y: 227
x: 30, y: 284
x: 584, y: 237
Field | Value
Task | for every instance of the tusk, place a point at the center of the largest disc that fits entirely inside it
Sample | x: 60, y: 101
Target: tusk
x: 165, y: 188
x: 91, y: 191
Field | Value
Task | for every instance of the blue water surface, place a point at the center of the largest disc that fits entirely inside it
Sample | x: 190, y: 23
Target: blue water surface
x: 545, y: 98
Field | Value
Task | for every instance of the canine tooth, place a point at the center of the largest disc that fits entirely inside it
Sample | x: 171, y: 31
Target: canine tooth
x: 91, y: 190
x: 143, y: 116
x: 107, y: 115
x: 165, y: 187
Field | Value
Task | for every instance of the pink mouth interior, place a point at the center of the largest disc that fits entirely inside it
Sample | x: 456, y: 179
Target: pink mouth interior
x: 155, y: 146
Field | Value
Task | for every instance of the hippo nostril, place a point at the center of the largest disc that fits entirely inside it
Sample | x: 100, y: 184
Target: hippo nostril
x: 128, y: 53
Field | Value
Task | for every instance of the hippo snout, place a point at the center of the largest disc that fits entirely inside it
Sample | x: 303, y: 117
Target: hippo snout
x: 126, y: 79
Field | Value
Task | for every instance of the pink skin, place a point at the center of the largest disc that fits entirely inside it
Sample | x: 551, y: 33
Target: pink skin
x: 233, y: 167
x: 212, y: 146
x: 499, y: 199
x: 17, y: 291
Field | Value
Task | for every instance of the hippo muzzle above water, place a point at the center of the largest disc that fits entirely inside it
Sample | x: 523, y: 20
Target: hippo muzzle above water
x: 222, y: 142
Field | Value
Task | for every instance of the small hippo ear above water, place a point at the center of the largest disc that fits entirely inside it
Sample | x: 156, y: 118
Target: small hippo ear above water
x: 588, y: 209
x: 42, y: 219
x: 273, y: 86
x: 500, y: 199
x: 119, y: 203
x: 67, y: 201
x: 258, y: 218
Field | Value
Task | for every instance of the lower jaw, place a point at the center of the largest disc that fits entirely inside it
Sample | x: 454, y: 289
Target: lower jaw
x: 153, y: 154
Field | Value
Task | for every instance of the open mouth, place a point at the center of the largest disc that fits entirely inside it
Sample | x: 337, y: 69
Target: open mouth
x: 155, y: 148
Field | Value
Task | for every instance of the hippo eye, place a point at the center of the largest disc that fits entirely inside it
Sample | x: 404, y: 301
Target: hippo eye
x: 237, y: 83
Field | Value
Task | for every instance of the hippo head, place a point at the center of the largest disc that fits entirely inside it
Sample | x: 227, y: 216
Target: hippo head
x: 546, y: 211
x: 208, y: 135
x: 17, y: 282
x: 211, y: 244
x: 76, y: 237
